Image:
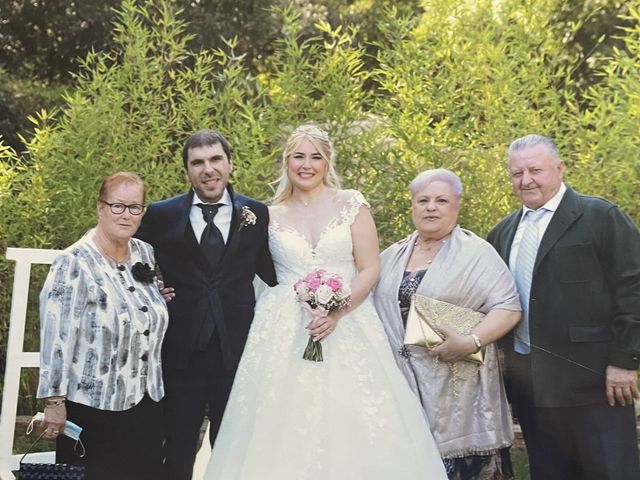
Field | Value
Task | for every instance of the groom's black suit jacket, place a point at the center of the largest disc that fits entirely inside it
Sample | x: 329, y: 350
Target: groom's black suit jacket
x: 585, y: 299
x: 208, y: 298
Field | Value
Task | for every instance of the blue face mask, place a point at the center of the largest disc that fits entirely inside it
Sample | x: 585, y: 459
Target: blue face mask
x: 71, y: 430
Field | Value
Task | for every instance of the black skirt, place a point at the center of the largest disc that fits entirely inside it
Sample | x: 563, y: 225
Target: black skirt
x: 123, y: 445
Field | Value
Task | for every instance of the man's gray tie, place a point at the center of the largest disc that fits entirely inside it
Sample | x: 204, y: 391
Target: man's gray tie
x: 525, y: 260
x: 211, y: 242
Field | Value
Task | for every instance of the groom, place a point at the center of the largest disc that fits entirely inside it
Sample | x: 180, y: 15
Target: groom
x: 209, y: 244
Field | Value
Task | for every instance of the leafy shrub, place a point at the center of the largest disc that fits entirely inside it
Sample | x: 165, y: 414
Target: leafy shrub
x: 452, y: 88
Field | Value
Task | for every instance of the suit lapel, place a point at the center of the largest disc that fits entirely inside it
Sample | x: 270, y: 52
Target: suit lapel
x: 233, y: 239
x: 180, y: 216
x: 509, y: 234
x: 567, y: 213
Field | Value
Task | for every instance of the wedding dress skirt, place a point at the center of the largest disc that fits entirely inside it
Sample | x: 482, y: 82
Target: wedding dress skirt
x: 349, y: 417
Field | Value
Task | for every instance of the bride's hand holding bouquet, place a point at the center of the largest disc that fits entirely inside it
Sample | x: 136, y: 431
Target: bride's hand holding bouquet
x: 325, y: 296
x: 323, y: 323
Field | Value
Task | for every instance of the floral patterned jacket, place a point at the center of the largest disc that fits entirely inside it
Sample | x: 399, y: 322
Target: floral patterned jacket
x: 102, y: 326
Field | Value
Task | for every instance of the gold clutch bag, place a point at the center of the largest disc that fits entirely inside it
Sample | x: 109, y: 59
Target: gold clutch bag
x: 425, y: 314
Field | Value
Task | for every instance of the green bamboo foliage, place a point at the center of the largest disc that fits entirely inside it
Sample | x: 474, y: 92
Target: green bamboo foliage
x: 457, y: 86
x: 605, y: 149
x: 319, y: 79
x: 449, y: 88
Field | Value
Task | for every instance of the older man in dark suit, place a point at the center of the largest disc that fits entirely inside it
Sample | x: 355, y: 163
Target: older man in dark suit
x: 209, y: 244
x: 571, y: 363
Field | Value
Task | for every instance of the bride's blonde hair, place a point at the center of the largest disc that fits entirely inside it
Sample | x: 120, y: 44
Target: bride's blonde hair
x: 321, y: 141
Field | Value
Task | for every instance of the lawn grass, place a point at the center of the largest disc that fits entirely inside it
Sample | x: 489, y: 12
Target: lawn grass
x: 520, y: 463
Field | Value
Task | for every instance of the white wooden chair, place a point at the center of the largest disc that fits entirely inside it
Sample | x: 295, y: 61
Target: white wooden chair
x: 17, y: 358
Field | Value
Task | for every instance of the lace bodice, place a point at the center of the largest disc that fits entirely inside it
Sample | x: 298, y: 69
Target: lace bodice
x: 294, y: 256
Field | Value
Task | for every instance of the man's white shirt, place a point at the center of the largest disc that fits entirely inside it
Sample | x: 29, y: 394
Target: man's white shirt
x: 222, y: 220
x: 551, y: 206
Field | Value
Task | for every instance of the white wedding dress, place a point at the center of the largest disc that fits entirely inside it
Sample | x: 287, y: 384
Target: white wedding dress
x: 349, y: 417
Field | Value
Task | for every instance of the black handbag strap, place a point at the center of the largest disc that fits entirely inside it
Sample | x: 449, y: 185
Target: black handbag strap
x: 31, y: 447
x: 41, y: 435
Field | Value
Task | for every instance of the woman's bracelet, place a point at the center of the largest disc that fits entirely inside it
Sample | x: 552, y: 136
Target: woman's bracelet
x: 53, y: 403
x: 477, y: 341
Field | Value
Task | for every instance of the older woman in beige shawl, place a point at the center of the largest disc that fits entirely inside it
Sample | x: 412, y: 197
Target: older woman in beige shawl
x: 465, y: 402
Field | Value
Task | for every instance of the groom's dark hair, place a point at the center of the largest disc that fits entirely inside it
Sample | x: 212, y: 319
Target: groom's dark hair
x: 204, y: 138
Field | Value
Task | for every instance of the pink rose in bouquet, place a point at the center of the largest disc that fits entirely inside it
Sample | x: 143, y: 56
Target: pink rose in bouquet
x: 321, y: 292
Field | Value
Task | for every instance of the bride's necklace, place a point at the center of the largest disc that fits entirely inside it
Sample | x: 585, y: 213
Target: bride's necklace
x: 312, y: 200
x: 307, y: 202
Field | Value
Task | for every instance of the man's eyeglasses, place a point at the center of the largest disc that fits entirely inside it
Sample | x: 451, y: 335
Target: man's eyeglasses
x: 118, y: 208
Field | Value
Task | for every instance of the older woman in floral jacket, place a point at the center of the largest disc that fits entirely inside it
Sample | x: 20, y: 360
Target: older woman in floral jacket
x: 103, y: 319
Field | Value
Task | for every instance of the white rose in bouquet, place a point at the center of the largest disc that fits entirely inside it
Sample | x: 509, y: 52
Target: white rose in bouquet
x: 302, y: 292
x: 324, y: 294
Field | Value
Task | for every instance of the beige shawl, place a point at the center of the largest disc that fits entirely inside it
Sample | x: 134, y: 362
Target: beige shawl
x: 470, y: 416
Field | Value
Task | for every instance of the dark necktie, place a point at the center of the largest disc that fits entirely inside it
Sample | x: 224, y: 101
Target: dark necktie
x: 211, y: 242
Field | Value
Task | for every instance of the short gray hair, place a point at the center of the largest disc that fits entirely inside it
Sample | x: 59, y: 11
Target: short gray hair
x: 532, y: 140
x: 436, y: 175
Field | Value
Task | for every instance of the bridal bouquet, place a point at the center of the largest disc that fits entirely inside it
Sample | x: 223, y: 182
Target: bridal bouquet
x: 321, y: 292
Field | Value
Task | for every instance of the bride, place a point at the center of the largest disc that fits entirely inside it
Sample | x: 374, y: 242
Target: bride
x: 351, y: 416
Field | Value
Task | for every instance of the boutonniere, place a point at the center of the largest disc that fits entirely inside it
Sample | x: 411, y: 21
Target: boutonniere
x: 247, y: 217
x: 142, y: 272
